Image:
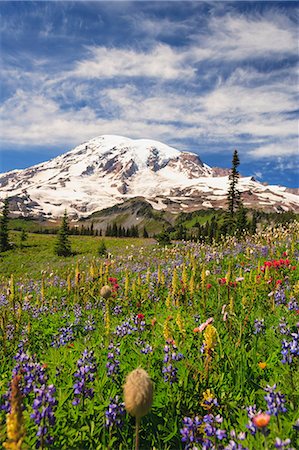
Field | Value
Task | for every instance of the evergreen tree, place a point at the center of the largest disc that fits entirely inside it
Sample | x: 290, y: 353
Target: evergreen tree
x: 63, y: 245
x: 233, y: 195
x: 108, y: 230
x: 4, y: 236
x: 163, y: 238
x: 241, y: 220
x: 181, y: 233
x: 102, y: 250
x: 114, y: 230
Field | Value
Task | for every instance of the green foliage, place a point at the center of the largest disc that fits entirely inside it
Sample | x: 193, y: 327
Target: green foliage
x: 63, y: 245
x: 4, y: 235
x: 23, y: 237
x: 102, y: 249
x: 163, y: 238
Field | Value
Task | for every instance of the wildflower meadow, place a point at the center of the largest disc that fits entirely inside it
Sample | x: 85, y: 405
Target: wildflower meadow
x: 213, y: 330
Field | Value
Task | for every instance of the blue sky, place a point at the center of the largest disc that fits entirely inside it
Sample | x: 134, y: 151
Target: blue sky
x: 207, y: 77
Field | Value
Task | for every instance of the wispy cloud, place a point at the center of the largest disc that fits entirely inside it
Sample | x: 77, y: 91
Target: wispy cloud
x: 161, y: 62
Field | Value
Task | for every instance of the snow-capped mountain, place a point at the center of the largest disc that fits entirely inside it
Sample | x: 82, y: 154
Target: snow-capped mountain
x: 109, y: 169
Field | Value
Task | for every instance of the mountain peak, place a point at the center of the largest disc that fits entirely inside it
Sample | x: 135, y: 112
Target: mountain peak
x: 110, y: 169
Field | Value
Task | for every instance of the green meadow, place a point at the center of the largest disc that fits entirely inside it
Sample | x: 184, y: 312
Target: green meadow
x: 215, y: 326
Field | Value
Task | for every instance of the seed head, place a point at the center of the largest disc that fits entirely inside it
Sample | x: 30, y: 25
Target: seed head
x: 106, y: 291
x: 138, y: 393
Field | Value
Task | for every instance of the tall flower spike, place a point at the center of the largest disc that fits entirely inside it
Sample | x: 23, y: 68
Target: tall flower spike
x: 14, y: 419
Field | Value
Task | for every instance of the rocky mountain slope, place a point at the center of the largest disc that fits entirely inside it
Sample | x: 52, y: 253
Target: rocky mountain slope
x: 109, y: 170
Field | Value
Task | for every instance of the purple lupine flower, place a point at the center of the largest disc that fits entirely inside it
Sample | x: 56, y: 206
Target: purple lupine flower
x: 78, y: 314
x: 189, y: 431
x: 275, y: 401
x: 283, y: 326
x: 66, y: 335
x: 113, y: 363
x: 117, y: 310
x: 84, y: 376
x: 169, y: 370
x: 43, y: 413
x: 146, y: 349
x: 125, y: 328
x: 33, y: 374
x: 264, y: 251
x: 259, y: 326
x: 293, y: 304
x: 199, y: 431
x: 279, y: 443
x: 115, y: 412
x: 252, y: 412
x: 3, y: 300
x: 279, y: 296
x: 290, y: 349
x: 89, y: 324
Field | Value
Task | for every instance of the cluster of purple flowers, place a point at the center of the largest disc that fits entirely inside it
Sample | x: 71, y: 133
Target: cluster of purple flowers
x: 293, y: 304
x: 275, y: 401
x: 146, y: 349
x: 130, y: 326
x: 115, y: 412
x: 84, y: 376
x: 113, y: 363
x: 203, y: 431
x: 10, y: 331
x: 89, y: 324
x: 233, y: 445
x: 259, y: 326
x: 33, y: 373
x: 66, y: 334
x: 117, y: 310
x: 279, y: 296
x: 169, y: 370
x: 78, y: 313
x: 279, y: 443
x: 34, y: 380
x: 283, y: 326
x: 125, y: 328
x: 290, y: 349
x: 43, y: 412
x: 3, y: 300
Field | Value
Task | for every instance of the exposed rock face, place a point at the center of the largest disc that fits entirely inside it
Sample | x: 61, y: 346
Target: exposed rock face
x: 109, y: 170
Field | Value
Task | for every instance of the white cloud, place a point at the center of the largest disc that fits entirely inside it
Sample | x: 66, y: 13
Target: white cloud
x: 237, y: 37
x: 162, y: 62
x: 286, y: 148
